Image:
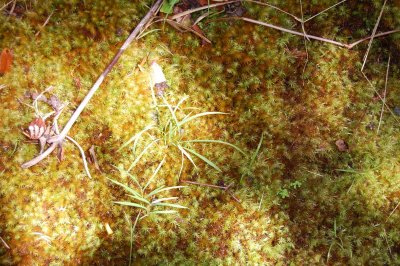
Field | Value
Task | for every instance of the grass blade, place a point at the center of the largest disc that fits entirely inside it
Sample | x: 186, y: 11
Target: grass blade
x: 253, y: 159
x: 210, y: 163
x: 136, y: 137
x: 133, y: 192
x: 172, y: 112
x: 163, y: 199
x: 216, y: 141
x: 170, y: 205
x: 187, y: 155
x: 190, y: 118
x: 141, y: 154
x: 154, y: 174
x: 131, y: 204
x: 163, y: 212
x: 140, y: 199
x: 123, y: 171
x: 158, y: 190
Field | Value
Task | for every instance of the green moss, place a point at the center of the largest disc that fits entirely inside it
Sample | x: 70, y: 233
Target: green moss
x: 301, y: 201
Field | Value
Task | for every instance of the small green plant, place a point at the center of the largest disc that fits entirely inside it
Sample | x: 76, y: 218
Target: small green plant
x: 148, y: 202
x: 249, y: 169
x: 170, y: 130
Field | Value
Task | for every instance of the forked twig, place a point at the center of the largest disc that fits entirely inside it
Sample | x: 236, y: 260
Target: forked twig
x: 373, y: 35
x: 384, y: 95
x: 58, y: 139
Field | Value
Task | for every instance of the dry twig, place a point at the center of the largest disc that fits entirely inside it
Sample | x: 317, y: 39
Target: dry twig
x: 44, y: 24
x: 4, y: 243
x: 59, y: 139
x: 373, y: 35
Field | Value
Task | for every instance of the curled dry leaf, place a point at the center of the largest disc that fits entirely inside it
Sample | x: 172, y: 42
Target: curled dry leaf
x: 342, y: 145
x: 6, y: 59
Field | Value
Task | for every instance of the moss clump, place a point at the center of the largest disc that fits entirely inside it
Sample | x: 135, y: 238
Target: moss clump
x: 302, y: 201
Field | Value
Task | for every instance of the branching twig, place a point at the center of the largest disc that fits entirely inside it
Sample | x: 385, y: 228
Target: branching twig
x: 384, y: 95
x: 58, y: 139
x: 373, y: 35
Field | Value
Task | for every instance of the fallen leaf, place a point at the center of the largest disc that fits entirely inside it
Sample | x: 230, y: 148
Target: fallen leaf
x: 6, y: 59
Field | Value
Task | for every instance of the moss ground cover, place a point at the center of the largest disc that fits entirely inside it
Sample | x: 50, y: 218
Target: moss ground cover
x: 301, y: 200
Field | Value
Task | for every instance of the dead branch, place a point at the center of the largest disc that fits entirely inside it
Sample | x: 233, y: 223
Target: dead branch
x: 59, y: 139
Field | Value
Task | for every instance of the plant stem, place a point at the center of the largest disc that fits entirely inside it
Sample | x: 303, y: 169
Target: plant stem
x: 132, y: 230
x: 59, y: 138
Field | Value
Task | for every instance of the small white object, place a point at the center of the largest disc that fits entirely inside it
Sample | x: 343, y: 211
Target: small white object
x: 156, y: 74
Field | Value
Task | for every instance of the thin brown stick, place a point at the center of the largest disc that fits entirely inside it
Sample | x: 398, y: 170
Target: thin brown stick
x: 6, y: 4
x: 276, y: 8
x: 290, y: 31
x: 4, y: 242
x: 13, y: 7
x: 44, y: 24
x: 190, y: 11
x: 323, y: 11
x: 58, y: 139
x: 395, y: 208
x: 350, y: 46
x: 384, y: 95
x: 321, y: 39
x: 373, y: 35
x: 305, y: 39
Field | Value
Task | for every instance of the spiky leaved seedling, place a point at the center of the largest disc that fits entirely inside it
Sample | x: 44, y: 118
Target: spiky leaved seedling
x: 171, y: 133
x: 148, y: 202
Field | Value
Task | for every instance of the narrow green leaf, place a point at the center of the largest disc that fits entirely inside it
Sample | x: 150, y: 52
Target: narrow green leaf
x: 128, y: 174
x: 154, y: 174
x: 141, y: 154
x: 170, y: 205
x: 186, y: 154
x: 185, y: 120
x: 136, y: 136
x: 254, y: 157
x: 133, y: 192
x: 163, y: 199
x: 131, y: 204
x: 158, y: 190
x: 171, y: 111
x: 210, y: 163
x: 148, y: 32
x: 140, y: 199
x: 163, y: 212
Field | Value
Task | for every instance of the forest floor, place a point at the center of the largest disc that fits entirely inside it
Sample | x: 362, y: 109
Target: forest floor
x: 311, y: 175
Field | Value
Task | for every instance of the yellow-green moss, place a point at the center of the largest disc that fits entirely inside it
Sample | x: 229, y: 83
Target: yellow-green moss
x: 301, y: 202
